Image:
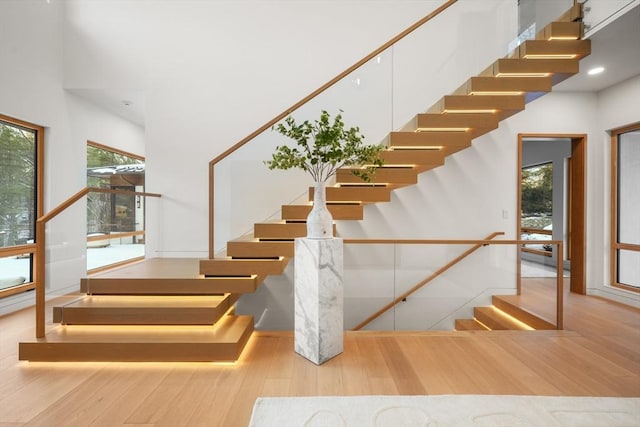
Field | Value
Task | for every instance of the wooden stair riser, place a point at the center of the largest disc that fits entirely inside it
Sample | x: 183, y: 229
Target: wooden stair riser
x: 242, y: 267
x: 531, y: 319
x: 531, y: 87
x: 204, y: 286
x: 412, y: 157
x: 451, y: 142
x: 494, y: 320
x: 561, y: 30
x: 281, y: 230
x: 223, y: 342
x: 531, y: 49
x: 404, y: 176
x: 514, y: 66
x: 482, y: 121
x: 504, y: 106
x: 259, y: 249
x: 136, y: 310
x: 468, y: 325
x: 341, y: 211
x: 365, y: 194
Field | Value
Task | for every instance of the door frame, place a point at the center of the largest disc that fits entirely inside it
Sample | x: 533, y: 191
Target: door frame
x: 577, y: 207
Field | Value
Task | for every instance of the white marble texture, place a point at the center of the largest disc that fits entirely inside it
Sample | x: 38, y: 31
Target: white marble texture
x: 318, y: 299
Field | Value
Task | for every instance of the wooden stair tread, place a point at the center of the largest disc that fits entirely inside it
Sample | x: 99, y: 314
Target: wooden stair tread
x: 252, y: 247
x: 532, y: 48
x: 512, y: 304
x: 146, y: 301
x: 278, y: 230
x: 151, y: 286
x: 494, y: 319
x: 469, y: 325
x: 393, y: 176
x: 450, y: 142
x: 221, y: 342
x: 411, y: 156
x: 467, y: 120
x: 242, y: 267
x: 364, y: 194
x: 143, y: 310
x: 339, y: 211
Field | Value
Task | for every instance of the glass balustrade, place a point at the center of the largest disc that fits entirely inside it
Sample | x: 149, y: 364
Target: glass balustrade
x: 381, y: 274
x: 382, y: 95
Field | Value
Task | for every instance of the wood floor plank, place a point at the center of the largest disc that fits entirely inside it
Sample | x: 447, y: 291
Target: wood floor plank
x: 598, y: 355
x: 102, y: 392
x: 160, y: 399
x: 400, y: 367
x: 43, y: 392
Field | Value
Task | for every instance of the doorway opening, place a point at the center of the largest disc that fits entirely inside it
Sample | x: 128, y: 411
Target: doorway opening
x: 551, y: 206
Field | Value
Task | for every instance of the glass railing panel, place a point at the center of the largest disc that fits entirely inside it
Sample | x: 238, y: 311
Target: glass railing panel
x: 117, y: 215
x: 435, y: 284
x: 383, y: 95
x: 246, y: 191
x: 599, y: 13
x: 533, y: 15
x: 101, y: 253
x: 369, y: 284
x: 439, y: 57
x: 453, y: 293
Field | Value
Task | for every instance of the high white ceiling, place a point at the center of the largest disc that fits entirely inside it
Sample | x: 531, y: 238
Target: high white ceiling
x: 615, y: 47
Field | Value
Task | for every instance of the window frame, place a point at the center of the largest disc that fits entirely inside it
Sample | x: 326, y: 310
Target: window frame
x: 615, y: 244
x: 29, y: 248
x: 134, y: 233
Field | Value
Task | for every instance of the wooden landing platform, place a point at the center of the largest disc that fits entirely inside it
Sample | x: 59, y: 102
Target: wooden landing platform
x: 222, y: 342
x: 165, y: 276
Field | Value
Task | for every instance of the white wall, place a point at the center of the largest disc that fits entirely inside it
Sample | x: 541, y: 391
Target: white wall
x: 214, y: 71
x: 618, y: 106
x: 31, y: 46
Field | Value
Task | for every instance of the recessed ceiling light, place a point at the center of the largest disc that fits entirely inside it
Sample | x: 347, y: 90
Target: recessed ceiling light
x: 596, y: 70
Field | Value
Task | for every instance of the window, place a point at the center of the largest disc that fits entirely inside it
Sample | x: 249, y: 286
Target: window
x: 20, y: 202
x: 537, y: 207
x: 115, y: 222
x: 625, y: 208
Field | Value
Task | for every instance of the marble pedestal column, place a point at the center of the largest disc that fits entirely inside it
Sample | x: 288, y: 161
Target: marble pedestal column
x: 318, y: 296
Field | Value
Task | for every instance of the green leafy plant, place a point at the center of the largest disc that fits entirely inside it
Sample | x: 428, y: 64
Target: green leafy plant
x: 323, y: 146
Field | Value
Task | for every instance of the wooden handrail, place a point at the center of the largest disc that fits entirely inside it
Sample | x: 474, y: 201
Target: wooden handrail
x: 40, y: 257
x: 477, y: 244
x: 302, y: 102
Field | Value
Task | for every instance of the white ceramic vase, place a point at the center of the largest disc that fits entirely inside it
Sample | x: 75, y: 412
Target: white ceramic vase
x: 319, y: 221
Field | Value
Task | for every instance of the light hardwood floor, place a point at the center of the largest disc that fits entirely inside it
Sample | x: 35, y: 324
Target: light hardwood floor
x: 598, y: 354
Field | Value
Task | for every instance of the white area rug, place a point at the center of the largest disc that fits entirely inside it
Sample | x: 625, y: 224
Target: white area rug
x: 446, y: 410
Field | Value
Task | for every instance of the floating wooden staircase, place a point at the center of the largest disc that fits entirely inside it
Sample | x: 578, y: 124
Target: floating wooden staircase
x: 450, y: 125
x: 184, y: 312
x: 157, y: 310
x: 505, y: 314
